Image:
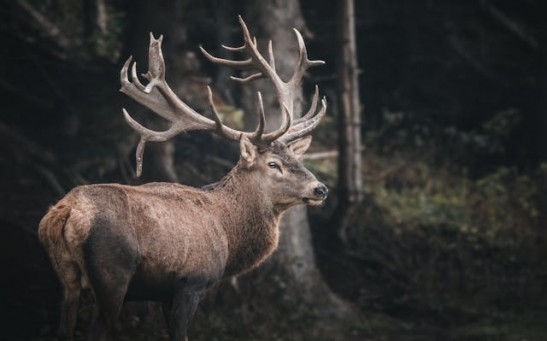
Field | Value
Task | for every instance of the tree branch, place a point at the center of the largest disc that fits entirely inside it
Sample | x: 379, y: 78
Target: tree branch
x: 45, y: 25
x: 510, y: 25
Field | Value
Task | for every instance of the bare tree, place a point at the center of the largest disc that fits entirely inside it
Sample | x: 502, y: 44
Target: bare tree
x: 349, y: 121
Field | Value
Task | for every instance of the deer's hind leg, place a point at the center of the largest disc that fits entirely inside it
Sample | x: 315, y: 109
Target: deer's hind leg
x: 111, y: 261
x: 70, y: 276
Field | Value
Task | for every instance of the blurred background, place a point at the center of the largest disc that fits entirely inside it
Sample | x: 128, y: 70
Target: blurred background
x: 434, y: 148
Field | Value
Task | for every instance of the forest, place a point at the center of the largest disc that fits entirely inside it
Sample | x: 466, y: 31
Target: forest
x: 433, y: 147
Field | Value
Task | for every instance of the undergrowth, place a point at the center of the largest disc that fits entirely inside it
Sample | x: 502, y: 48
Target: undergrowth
x: 447, y: 244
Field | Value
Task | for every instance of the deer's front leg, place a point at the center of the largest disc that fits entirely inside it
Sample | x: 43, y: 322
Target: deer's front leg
x: 185, y: 302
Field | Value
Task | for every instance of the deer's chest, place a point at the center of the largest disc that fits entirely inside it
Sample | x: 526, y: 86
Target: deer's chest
x: 256, y: 248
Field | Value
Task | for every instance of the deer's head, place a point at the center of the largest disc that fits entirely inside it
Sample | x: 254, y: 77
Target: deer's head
x: 273, y: 159
x: 279, y: 172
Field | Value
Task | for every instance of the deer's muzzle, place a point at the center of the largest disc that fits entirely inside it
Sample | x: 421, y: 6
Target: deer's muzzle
x: 319, y: 194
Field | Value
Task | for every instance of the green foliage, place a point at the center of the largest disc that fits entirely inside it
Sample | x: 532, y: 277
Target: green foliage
x: 445, y: 253
x: 503, y: 201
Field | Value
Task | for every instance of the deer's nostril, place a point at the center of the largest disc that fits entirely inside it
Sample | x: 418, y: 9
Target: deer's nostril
x: 320, y: 191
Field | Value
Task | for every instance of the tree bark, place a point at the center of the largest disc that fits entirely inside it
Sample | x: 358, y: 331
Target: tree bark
x: 294, y: 262
x: 349, y: 122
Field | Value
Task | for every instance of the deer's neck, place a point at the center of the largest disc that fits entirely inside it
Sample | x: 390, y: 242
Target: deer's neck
x: 251, y: 222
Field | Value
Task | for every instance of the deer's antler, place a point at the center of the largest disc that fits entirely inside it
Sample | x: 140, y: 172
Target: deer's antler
x: 160, y: 98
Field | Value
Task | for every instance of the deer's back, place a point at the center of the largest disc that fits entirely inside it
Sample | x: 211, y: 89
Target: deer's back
x: 173, y: 230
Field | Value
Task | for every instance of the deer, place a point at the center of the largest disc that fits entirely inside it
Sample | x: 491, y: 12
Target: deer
x: 169, y: 242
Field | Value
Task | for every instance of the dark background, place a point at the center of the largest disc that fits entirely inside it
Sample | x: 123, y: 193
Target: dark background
x: 450, y: 240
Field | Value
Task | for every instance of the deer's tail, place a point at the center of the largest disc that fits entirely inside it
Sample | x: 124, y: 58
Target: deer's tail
x: 52, y: 225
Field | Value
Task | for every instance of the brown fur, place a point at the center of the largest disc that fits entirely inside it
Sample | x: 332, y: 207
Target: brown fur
x: 174, y: 233
x: 53, y: 223
x: 149, y: 238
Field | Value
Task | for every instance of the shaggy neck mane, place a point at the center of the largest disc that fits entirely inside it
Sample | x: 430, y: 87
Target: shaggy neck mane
x: 251, y: 222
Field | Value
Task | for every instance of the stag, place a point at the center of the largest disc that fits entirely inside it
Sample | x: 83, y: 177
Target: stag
x: 168, y: 242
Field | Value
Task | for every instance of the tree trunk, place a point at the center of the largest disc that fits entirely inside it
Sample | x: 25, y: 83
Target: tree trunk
x: 349, y: 122
x: 293, y: 265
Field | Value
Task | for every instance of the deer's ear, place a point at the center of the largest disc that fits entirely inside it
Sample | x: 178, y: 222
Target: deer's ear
x: 247, y: 151
x: 299, y: 147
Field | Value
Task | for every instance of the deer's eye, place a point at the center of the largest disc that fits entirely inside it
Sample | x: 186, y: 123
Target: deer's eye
x: 274, y: 165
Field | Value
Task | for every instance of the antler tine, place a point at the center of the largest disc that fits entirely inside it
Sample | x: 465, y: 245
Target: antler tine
x: 260, y: 63
x: 303, y: 63
x: 312, y: 109
x: 249, y: 78
x: 216, y: 116
x: 271, y: 55
x: 257, y: 135
x: 285, y: 126
x: 148, y: 135
x: 234, y: 49
x: 135, y: 78
x: 240, y: 64
x: 306, y: 127
x: 220, y: 128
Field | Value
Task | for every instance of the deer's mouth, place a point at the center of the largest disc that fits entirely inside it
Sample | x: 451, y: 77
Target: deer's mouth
x: 313, y: 201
